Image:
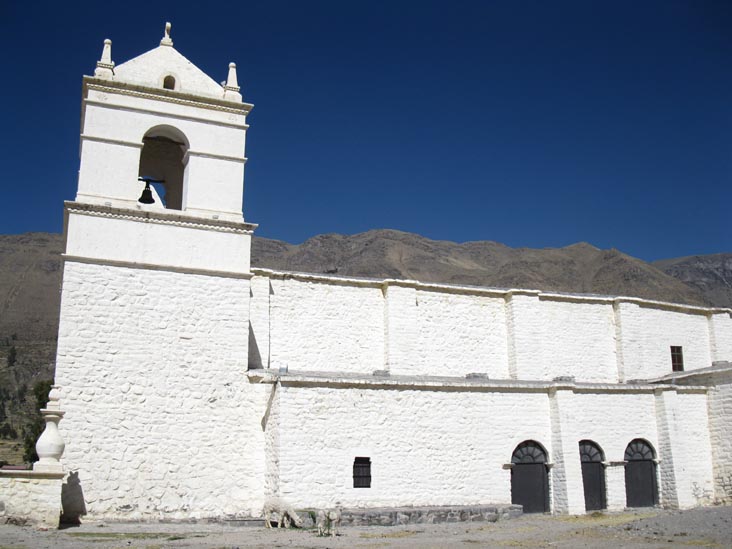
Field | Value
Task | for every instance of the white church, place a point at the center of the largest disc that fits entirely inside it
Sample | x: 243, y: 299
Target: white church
x: 193, y: 385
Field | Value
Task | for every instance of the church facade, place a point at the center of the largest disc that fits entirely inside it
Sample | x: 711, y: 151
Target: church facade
x: 196, y: 386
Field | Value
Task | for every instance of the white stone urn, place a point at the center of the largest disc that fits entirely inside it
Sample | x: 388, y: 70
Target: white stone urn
x: 50, y: 445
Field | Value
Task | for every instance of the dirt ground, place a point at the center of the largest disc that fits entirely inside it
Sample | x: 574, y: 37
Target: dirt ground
x: 653, y: 528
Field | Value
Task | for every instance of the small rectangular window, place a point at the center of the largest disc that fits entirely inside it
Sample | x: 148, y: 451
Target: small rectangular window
x: 677, y: 359
x: 362, y: 472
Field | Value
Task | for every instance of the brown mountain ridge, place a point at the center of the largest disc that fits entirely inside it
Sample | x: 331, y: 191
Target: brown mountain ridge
x: 394, y: 254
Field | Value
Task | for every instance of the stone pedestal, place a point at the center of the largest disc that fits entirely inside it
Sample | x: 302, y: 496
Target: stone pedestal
x: 50, y: 445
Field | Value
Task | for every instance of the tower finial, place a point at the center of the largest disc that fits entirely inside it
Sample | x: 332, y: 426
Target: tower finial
x: 166, y: 41
x: 105, y: 66
x: 231, y: 86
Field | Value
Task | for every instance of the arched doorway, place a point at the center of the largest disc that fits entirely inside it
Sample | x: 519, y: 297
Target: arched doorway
x: 593, y: 475
x: 530, y: 478
x: 162, y: 157
x: 641, y: 489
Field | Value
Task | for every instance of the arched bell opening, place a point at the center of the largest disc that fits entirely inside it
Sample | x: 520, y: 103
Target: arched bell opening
x: 593, y: 475
x: 530, y: 477
x: 641, y: 486
x: 163, y: 159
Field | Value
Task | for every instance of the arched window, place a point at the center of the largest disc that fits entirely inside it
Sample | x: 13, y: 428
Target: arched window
x: 529, y: 452
x: 530, y: 477
x: 638, y: 450
x: 593, y: 475
x: 641, y: 487
x: 590, y: 452
x: 169, y: 82
x: 161, y: 158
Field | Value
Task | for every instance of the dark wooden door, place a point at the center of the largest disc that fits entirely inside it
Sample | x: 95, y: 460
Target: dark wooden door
x: 530, y: 487
x: 640, y: 483
x: 593, y: 479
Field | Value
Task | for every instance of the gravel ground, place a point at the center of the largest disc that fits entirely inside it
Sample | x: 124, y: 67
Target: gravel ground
x: 708, y: 527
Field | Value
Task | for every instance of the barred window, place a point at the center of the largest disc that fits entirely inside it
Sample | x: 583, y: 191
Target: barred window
x: 677, y: 359
x: 362, y: 472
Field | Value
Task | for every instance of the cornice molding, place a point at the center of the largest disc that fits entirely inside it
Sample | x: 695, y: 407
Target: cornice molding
x: 164, y: 217
x: 168, y: 96
x: 203, y: 154
x: 68, y: 258
x: 87, y: 137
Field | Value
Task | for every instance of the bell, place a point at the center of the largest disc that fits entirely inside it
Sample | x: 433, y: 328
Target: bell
x: 146, y: 197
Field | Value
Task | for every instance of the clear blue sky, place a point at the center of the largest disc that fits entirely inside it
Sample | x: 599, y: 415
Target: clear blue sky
x: 532, y: 123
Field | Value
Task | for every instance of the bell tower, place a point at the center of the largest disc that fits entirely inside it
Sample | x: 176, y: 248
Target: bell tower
x: 160, y: 116
x: 153, y: 335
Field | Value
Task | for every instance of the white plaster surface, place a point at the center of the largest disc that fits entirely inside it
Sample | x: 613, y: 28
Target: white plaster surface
x: 720, y: 433
x: 160, y: 418
x: 113, y: 126
x: 579, y: 341
x: 426, y: 447
x: 691, y: 448
x: 329, y: 324
x: 720, y: 330
x: 113, y: 236
x: 150, y: 68
x: 325, y: 327
x: 447, y: 447
x: 649, y: 333
x: 459, y: 334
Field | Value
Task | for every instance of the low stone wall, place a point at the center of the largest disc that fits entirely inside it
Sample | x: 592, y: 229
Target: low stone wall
x: 30, y: 497
x: 393, y: 516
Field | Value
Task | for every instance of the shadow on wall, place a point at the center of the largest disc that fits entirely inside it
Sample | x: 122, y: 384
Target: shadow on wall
x: 72, y: 500
x: 255, y: 358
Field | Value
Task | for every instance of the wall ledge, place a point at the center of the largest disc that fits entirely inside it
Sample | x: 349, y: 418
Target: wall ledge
x: 455, y: 384
x: 30, y: 474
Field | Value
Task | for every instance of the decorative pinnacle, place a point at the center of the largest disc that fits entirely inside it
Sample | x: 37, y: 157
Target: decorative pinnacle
x: 231, y: 80
x: 166, y: 41
x: 105, y: 66
x: 231, y: 86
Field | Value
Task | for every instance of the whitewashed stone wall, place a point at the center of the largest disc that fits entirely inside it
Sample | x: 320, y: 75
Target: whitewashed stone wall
x: 648, y: 334
x: 457, y: 334
x: 602, y: 415
x: 426, y: 447
x: 324, y: 327
x: 401, y: 328
x: 720, y: 427
x: 721, y: 336
x: 29, y: 496
x: 558, y: 336
x: 160, y: 418
x: 720, y: 411
x: 319, y: 323
x: 687, y: 465
x: 162, y: 238
x: 448, y: 445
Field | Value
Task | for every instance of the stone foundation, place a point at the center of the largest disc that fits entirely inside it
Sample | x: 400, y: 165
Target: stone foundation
x: 393, y: 516
x: 30, y: 497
